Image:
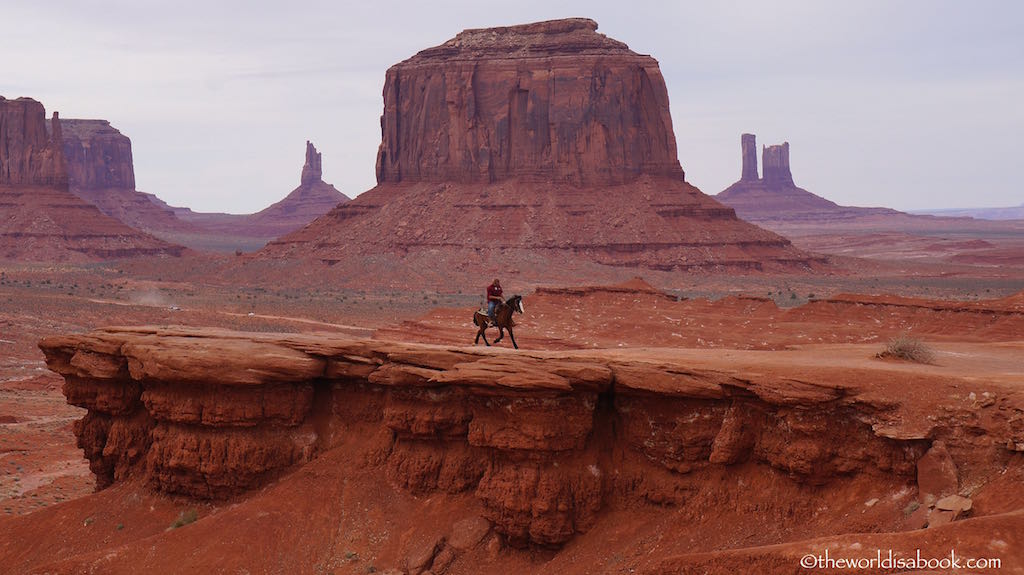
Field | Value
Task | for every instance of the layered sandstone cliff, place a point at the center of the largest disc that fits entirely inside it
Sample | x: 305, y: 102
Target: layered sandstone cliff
x: 546, y: 142
x: 546, y: 442
x: 552, y: 101
x: 42, y: 220
x: 101, y: 172
x: 28, y: 155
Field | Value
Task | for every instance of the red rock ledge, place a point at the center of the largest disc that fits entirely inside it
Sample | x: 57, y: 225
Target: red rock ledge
x: 544, y: 440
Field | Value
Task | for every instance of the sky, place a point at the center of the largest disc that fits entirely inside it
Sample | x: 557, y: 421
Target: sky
x: 910, y: 104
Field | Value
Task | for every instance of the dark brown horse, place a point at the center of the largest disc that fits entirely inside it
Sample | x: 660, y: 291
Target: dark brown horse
x: 503, y: 320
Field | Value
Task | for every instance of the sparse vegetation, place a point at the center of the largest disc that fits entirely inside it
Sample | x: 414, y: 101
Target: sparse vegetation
x: 908, y: 349
x: 910, y: 508
x: 185, y: 518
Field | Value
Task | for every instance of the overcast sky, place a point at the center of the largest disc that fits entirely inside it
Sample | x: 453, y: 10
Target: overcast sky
x: 907, y: 104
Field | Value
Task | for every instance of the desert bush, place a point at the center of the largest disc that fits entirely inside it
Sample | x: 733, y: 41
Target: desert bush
x: 185, y: 518
x: 908, y: 348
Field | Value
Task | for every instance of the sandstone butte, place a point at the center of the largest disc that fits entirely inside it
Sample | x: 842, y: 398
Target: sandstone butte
x: 816, y: 224
x: 311, y: 199
x: 776, y: 197
x: 662, y: 460
x: 42, y: 220
x: 101, y: 172
x: 520, y: 147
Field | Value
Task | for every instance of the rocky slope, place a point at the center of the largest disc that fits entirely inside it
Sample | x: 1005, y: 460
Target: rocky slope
x: 545, y: 142
x: 42, y: 220
x: 552, y: 449
x: 101, y: 172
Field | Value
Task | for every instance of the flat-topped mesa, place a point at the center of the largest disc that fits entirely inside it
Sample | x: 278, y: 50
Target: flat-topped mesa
x: 775, y: 161
x: 312, y: 171
x: 749, y: 144
x: 550, y: 101
x: 29, y: 155
x: 98, y: 155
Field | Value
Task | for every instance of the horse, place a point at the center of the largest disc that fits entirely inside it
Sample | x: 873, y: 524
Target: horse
x: 503, y: 320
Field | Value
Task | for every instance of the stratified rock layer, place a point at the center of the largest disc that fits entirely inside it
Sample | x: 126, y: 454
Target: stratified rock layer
x: 546, y: 142
x: 28, y: 156
x: 98, y: 155
x: 41, y: 220
x: 551, y: 101
x: 544, y: 440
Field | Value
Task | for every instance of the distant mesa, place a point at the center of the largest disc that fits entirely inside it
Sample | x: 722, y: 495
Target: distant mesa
x: 40, y: 219
x: 551, y: 101
x: 1007, y: 213
x: 775, y: 196
x: 101, y: 172
x: 542, y: 142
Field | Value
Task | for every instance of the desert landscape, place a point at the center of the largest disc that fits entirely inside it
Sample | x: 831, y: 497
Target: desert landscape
x: 758, y: 381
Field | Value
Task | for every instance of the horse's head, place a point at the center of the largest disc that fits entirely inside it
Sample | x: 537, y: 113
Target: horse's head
x: 516, y: 303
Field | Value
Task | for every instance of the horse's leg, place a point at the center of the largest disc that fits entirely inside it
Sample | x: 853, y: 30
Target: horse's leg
x: 512, y: 335
x: 481, y: 333
x: 501, y: 334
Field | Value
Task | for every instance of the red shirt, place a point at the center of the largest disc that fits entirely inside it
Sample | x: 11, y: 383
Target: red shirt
x: 493, y: 291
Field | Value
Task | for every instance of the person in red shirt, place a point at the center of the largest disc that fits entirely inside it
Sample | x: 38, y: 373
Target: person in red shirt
x: 493, y: 298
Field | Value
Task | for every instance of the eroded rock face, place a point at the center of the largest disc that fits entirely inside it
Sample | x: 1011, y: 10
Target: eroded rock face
x: 98, y: 155
x: 775, y: 160
x: 544, y: 440
x: 28, y: 155
x: 43, y: 220
x: 749, y: 145
x: 312, y: 171
x: 101, y: 172
x: 552, y: 101
x: 546, y: 142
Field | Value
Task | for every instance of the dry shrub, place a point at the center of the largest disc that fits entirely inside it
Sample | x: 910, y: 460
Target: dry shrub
x: 909, y: 349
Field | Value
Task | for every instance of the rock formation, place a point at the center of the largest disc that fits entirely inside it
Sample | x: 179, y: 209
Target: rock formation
x: 101, y: 172
x: 228, y: 232
x: 98, y: 155
x: 312, y: 172
x: 42, y: 220
x: 28, y: 156
x: 775, y: 197
x: 312, y: 199
x: 551, y: 101
x: 543, y: 141
x: 775, y: 160
x: 548, y: 443
x: 749, y: 145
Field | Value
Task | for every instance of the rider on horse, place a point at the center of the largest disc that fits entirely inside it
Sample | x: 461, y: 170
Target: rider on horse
x: 493, y: 299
